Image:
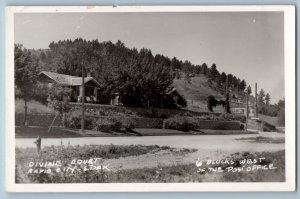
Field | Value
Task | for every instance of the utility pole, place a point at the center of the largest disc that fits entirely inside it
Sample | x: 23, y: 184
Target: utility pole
x: 226, y: 85
x: 256, y: 109
x: 246, y: 111
x: 82, y: 99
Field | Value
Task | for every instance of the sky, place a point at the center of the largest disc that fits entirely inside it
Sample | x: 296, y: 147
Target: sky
x: 249, y: 45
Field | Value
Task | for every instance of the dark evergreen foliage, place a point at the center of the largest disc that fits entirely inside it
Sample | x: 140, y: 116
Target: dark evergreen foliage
x: 140, y: 78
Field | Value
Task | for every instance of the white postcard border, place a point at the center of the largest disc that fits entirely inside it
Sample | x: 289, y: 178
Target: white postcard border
x: 289, y: 45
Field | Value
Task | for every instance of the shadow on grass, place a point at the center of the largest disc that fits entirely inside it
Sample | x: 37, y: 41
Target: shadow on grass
x: 130, y: 132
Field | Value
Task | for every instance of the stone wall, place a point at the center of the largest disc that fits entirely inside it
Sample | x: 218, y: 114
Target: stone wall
x: 143, y: 112
x: 45, y: 120
x: 219, y: 125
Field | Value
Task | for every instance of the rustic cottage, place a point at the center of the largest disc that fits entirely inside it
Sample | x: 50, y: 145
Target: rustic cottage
x: 75, y: 83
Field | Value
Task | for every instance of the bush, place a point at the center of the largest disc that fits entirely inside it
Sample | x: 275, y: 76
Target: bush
x: 152, y: 113
x: 241, y: 118
x: 128, y: 124
x: 104, y: 123
x: 242, y: 126
x: 73, y: 120
x: 107, y: 124
x: 41, y: 93
x: 181, y: 123
x: 223, y: 117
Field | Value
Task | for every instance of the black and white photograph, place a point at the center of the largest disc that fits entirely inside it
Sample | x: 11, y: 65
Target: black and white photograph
x: 166, y: 98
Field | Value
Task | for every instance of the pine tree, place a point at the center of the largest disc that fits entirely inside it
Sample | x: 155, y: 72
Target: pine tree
x: 213, y: 72
x: 261, y: 96
x: 204, y: 69
x: 230, y: 80
x: 242, y: 85
x: 267, y: 99
x: 249, y: 91
x: 222, y: 80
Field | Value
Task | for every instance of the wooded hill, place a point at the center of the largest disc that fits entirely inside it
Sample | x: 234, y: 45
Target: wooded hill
x: 137, y: 75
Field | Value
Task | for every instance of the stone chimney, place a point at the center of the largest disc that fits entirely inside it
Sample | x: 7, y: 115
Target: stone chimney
x: 88, y: 74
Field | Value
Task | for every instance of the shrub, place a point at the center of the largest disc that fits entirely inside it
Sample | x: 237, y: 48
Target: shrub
x: 73, y: 120
x: 41, y: 93
x: 129, y: 127
x: 182, y: 123
x: 223, y: 117
x: 59, y: 98
x: 241, y: 118
x: 186, y: 114
x: 128, y: 124
x: 107, y: 124
x: 102, y: 113
x: 242, y: 126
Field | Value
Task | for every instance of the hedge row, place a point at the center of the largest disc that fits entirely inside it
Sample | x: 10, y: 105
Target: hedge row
x: 186, y: 123
x: 106, y: 124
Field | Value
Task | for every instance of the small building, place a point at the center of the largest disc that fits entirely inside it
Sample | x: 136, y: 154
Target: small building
x: 242, y: 111
x: 91, y: 85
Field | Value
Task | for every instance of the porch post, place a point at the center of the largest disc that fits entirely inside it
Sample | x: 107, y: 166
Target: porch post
x: 95, y: 91
x: 96, y: 94
x: 81, y: 91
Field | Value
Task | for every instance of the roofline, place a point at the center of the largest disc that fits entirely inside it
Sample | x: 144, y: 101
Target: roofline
x: 98, y: 84
x: 92, y: 78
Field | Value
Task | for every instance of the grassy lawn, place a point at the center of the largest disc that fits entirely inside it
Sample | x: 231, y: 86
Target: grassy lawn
x: 162, y: 173
x: 66, y: 154
x: 188, y: 172
x: 196, y: 92
x: 33, y: 107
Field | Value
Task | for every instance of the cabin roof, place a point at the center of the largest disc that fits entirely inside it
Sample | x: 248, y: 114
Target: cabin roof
x: 68, y: 80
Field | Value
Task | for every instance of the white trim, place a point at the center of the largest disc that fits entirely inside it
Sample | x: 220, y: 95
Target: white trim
x: 289, y: 45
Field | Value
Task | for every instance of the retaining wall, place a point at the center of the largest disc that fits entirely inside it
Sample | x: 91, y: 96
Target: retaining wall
x: 45, y: 120
x: 219, y: 125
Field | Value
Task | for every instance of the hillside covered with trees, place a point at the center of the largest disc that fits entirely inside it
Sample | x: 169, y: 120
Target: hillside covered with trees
x: 137, y: 75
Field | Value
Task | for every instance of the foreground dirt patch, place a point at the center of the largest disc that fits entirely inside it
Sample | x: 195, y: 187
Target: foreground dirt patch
x: 145, y: 164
